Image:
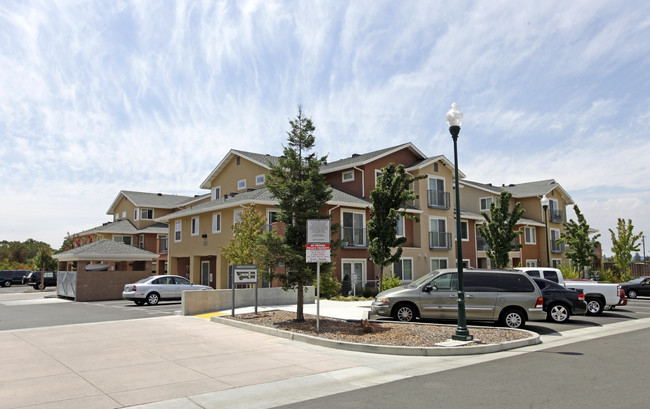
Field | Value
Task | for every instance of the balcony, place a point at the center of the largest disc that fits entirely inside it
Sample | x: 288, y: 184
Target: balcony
x: 555, y: 216
x: 556, y: 247
x: 481, y: 244
x: 438, y: 199
x: 439, y: 241
x: 353, y: 237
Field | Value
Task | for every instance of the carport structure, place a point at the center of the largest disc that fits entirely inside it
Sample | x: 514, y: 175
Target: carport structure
x: 124, y: 264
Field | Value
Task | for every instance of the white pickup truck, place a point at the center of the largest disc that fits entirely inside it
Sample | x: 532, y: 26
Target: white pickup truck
x: 599, y: 296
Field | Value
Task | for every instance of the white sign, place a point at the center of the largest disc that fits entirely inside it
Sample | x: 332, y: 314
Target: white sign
x: 318, y: 253
x: 245, y: 274
x: 318, y: 231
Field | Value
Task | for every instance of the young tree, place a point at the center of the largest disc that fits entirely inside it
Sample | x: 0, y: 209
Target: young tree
x: 389, y: 201
x: 582, y: 248
x: 301, y: 190
x: 241, y: 247
x: 499, y: 229
x: 44, y: 259
x: 624, y: 242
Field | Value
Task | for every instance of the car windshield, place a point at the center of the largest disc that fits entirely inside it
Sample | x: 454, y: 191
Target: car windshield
x: 422, y: 280
x: 636, y: 280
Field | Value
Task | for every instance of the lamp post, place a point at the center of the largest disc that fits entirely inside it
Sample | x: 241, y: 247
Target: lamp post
x: 544, y: 202
x: 454, y: 121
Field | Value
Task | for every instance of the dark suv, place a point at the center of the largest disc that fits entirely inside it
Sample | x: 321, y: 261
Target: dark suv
x: 34, y: 279
x: 9, y: 277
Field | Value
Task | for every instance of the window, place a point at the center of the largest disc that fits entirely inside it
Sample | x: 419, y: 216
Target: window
x: 403, y: 269
x: 135, y: 214
x: 354, y: 274
x: 194, y: 229
x: 141, y: 242
x: 100, y: 237
x: 177, y: 230
x: 437, y: 197
x: 216, y: 223
x: 216, y: 193
x: 348, y: 176
x: 480, y: 282
x: 551, y: 275
x: 515, y: 283
x: 124, y: 214
x: 438, y: 236
x: 259, y: 180
x: 117, y: 216
x: 531, y: 237
x: 485, y: 203
x: 531, y: 263
x: 123, y: 239
x: 464, y: 230
x: 446, y: 282
x: 163, y: 244
x: 241, y: 184
x: 556, y: 262
x: 377, y: 174
x: 273, y: 216
x: 438, y: 263
x: 353, y: 230
x: 236, y: 217
x: 466, y: 263
x: 399, y: 228
x: 147, y: 214
x: 238, y: 160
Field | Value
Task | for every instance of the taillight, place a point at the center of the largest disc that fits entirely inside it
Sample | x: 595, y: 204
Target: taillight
x: 581, y: 297
x: 621, y: 293
x: 540, y: 303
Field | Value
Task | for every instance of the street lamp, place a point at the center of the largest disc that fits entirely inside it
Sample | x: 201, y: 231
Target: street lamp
x: 544, y: 201
x: 454, y: 121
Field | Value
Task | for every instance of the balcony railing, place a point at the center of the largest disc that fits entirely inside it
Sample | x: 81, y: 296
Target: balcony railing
x: 353, y: 237
x: 439, y: 199
x: 439, y: 241
x: 555, y: 216
x: 481, y: 244
x: 557, y: 247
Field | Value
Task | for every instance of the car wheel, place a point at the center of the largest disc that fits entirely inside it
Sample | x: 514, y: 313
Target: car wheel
x: 138, y: 302
x: 631, y: 294
x: 153, y: 298
x: 404, y: 313
x: 594, y: 306
x: 558, y: 313
x: 512, y: 319
x: 6, y: 283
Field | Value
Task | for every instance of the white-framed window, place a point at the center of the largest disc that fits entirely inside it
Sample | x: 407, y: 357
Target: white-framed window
x: 177, y: 230
x: 464, y: 230
x: 354, y: 273
x: 123, y: 239
x: 377, y: 174
x: 147, y: 214
x: 216, y: 193
x: 438, y: 237
x: 399, y: 227
x: 216, y: 223
x: 135, y: 214
x: 124, y: 214
x: 259, y: 179
x: 100, y: 237
x: 347, y: 176
x: 353, y: 228
x: 556, y: 262
x: 194, y: 227
x: 485, y: 203
x: 164, y: 244
x: 531, y: 263
x: 438, y: 263
x: 531, y: 236
x: 236, y: 217
x: 403, y: 269
x: 141, y: 241
x: 117, y: 216
x: 273, y: 215
x: 241, y: 184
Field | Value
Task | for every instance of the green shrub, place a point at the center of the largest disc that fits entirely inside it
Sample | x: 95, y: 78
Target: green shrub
x: 329, y: 286
x: 390, y: 281
x: 569, y: 273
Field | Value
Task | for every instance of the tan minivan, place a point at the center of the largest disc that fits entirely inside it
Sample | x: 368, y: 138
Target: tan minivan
x: 508, y: 297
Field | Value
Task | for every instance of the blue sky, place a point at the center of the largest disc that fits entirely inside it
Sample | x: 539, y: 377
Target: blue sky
x: 101, y: 96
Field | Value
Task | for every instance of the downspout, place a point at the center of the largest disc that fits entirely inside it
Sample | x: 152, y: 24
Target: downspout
x: 363, y: 181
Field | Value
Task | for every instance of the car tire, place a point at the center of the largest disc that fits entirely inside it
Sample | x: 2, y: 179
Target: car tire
x: 594, y: 306
x: 512, y: 318
x: 6, y: 283
x: 138, y: 302
x: 153, y: 298
x: 631, y: 294
x: 404, y: 313
x: 558, y: 313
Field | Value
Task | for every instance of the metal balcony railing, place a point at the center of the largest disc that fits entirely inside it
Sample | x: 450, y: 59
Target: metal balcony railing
x: 439, y: 241
x: 353, y: 237
x: 557, y: 247
x: 438, y: 199
x: 555, y: 216
x: 481, y: 244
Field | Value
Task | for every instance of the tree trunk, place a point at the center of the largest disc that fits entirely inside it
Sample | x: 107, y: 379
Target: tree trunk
x: 300, y: 316
x: 381, y: 277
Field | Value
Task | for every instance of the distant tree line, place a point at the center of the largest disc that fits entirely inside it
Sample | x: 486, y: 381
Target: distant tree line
x: 27, y: 255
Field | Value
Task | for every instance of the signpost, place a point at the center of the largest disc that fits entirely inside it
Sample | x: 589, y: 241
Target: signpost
x: 318, y: 251
x: 243, y: 274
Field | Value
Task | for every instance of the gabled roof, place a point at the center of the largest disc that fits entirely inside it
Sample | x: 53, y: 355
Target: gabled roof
x: 123, y: 226
x: 362, y: 159
x: 106, y: 250
x: 468, y: 214
x: 155, y: 200
x: 433, y: 159
x: 263, y: 160
x: 522, y: 190
x: 260, y: 196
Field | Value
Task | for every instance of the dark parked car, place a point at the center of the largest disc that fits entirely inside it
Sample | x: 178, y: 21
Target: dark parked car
x: 636, y: 287
x: 9, y: 277
x: 560, y: 303
x: 34, y: 279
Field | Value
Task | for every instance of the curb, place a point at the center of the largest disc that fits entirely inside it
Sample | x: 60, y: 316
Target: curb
x: 534, y: 339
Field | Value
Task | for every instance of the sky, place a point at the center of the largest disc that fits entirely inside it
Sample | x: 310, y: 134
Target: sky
x: 98, y: 97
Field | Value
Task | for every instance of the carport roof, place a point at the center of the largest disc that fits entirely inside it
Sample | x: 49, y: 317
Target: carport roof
x: 106, y: 250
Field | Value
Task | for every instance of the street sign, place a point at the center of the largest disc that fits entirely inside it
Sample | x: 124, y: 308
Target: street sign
x: 318, y: 231
x: 318, y: 253
x: 245, y: 273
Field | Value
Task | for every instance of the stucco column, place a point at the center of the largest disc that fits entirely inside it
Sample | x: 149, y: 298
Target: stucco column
x: 195, y: 269
x: 172, y: 266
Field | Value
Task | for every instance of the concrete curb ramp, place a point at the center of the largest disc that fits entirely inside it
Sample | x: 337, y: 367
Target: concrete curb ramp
x: 534, y: 339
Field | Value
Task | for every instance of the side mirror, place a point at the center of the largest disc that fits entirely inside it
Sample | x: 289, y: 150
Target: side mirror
x: 427, y: 288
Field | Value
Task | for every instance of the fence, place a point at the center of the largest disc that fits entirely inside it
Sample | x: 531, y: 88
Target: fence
x: 636, y: 269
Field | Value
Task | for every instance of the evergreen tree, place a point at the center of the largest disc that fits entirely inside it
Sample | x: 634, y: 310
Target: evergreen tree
x: 624, y: 242
x: 300, y: 188
x: 389, y: 199
x: 499, y: 229
x: 582, y: 248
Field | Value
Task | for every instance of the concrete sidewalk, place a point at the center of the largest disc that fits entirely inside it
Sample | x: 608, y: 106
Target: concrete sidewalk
x: 189, y: 362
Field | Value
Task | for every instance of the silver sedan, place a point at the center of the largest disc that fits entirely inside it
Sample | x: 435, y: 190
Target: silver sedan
x: 159, y: 288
